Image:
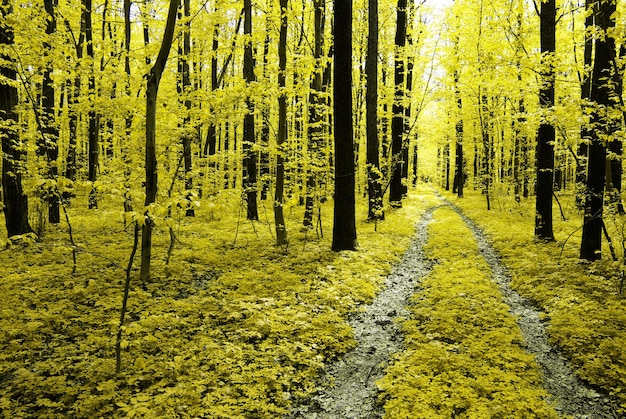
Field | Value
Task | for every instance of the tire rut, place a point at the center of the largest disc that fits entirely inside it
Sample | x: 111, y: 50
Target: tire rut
x: 349, y: 387
x: 572, y: 396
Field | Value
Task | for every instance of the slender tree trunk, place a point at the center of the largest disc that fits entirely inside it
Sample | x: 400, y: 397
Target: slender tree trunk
x: 50, y: 129
x: 546, y: 134
x: 184, y: 92
x: 93, y: 141
x: 585, y: 96
x: 344, y: 223
x: 279, y: 219
x: 154, y: 78
x: 249, y: 155
x: 374, y: 178
x: 13, y: 197
x: 603, y: 100
x: 210, y: 146
x: 126, y: 152
x: 459, y: 175
x: 396, y: 189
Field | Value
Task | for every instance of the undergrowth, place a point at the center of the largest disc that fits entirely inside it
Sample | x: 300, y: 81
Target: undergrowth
x: 464, y: 354
x: 583, y: 303
x: 233, y: 326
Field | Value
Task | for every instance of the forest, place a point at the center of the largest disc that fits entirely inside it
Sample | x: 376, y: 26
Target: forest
x: 312, y: 209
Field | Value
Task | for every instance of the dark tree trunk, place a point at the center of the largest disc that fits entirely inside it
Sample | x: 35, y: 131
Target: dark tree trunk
x: 129, y: 117
x: 210, y: 146
x: 50, y: 129
x: 14, y: 199
x: 603, y: 99
x: 184, y: 92
x: 264, y: 161
x: 459, y: 175
x: 545, y: 134
x: 585, y: 95
x: 396, y: 189
x: 93, y: 141
x: 152, y: 88
x: 249, y: 155
x: 279, y: 219
x: 374, y: 178
x: 344, y: 223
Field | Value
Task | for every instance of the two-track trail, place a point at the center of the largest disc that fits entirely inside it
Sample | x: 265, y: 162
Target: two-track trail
x: 349, y: 387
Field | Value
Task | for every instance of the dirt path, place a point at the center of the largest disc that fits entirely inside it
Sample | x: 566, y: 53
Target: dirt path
x: 350, y: 391
x: 574, y: 397
x: 354, y: 392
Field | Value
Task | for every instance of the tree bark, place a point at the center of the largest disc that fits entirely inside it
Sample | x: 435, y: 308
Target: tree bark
x: 344, y: 223
x: 14, y: 199
x: 184, y: 92
x: 279, y: 219
x: 154, y: 78
x: 249, y: 155
x: 603, y: 100
x: 396, y: 189
x: 93, y: 141
x: 374, y: 178
x: 50, y: 129
x: 546, y: 134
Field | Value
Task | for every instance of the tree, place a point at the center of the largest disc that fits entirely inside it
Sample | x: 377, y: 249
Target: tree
x: 14, y: 199
x: 344, y: 223
x: 93, y: 131
x: 603, y: 102
x: 152, y: 88
x: 396, y: 189
x: 249, y: 158
x: 279, y: 219
x: 50, y: 130
x: 374, y: 178
x: 183, y: 92
x: 546, y: 134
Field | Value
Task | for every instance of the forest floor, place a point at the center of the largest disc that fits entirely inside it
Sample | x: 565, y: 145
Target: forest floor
x: 352, y: 389
x: 446, y: 310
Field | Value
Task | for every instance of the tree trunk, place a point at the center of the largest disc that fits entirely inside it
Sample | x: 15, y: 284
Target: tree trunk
x: 396, y: 189
x: 374, y: 178
x: 154, y: 78
x: 279, y: 219
x: 603, y: 99
x: 50, y: 129
x: 459, y: 175
x: 545, y: 134
x: 93, y: 141
x: 585, y: 96
x: 249, y: 155
x: 14, y: 199
x: 184, y: 92
x: 344, y: 223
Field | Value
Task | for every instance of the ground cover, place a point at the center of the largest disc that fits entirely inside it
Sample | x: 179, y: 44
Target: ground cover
x: 464, y: 354
x: 233, y: 327
x: 582, y: 303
